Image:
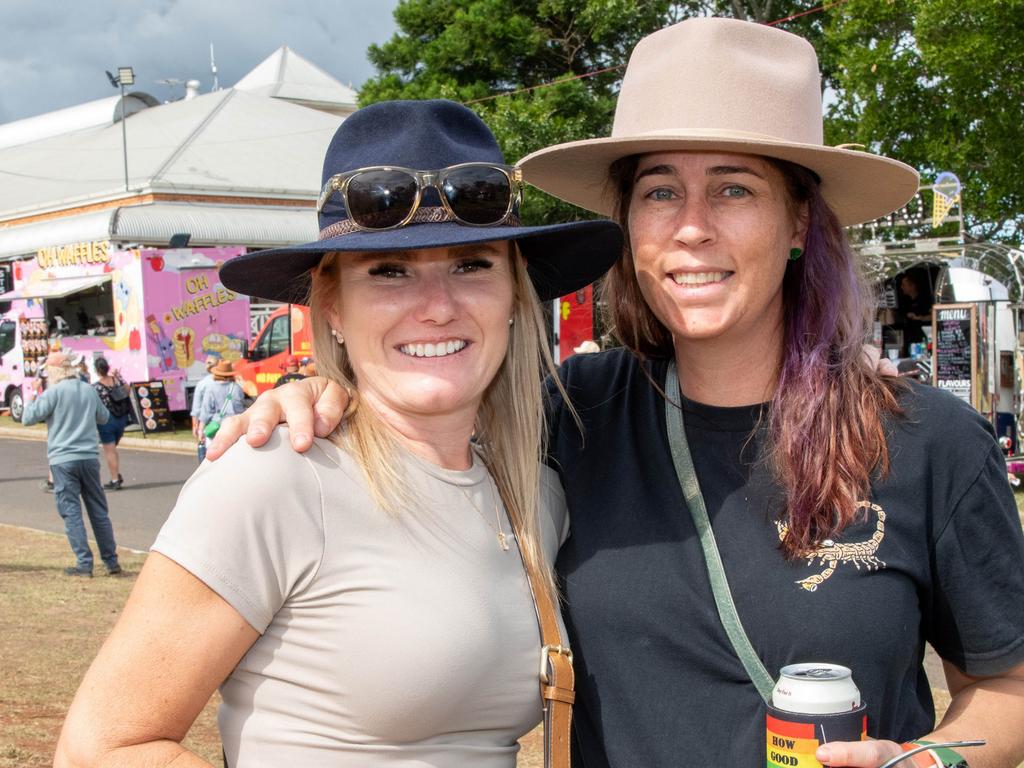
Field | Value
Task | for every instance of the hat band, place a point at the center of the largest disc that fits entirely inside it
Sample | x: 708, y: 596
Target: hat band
x: 433, y: 215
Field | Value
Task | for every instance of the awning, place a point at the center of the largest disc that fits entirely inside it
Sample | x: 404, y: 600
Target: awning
x: 156, y: 223
x: 265, y: 227
x: 56, y: 288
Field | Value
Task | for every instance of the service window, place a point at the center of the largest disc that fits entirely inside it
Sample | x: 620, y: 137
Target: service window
x: 274, y: 339
x: 85, y: 313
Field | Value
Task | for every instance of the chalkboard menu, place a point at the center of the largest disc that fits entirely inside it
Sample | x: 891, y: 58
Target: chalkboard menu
x: 149, y: 401
x: 954, y: 358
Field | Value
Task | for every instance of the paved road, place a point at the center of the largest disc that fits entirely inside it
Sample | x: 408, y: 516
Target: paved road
x: 152, y: 481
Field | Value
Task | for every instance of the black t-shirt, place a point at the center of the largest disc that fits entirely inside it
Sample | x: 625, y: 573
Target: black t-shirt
x: 658, y: 681
x: 285, y: 378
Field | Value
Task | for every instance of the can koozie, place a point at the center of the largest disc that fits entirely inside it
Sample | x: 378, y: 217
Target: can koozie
x: 794, y: 737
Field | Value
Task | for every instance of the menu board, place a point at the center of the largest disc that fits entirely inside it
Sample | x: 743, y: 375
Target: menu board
x: 6, y: 283
x: 954, y: 357
x: 149, y: 401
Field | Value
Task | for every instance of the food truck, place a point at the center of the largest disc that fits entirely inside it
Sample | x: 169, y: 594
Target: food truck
x: 970, y: 343
x: 155, y: 314
x: 949, y: 308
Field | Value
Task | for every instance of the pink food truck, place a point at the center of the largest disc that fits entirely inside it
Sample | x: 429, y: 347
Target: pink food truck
x: 154, y: 314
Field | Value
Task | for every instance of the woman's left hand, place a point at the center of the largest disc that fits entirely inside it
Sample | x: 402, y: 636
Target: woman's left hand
x: 860, y: 754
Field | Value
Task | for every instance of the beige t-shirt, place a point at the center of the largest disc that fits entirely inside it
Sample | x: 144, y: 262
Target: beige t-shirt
x: 409, y: 640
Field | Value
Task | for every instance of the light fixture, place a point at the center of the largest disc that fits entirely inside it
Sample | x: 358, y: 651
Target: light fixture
x: 125, y: 76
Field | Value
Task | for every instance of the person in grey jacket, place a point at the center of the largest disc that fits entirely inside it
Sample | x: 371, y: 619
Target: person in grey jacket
x: 72, y: 409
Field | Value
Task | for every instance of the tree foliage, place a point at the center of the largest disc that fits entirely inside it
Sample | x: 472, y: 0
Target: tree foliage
x: 471, y: 50
x: 936, y: 83
x: 940, y: 85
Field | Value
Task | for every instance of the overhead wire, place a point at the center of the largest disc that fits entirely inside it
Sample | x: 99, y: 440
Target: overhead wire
x: 594, y: 73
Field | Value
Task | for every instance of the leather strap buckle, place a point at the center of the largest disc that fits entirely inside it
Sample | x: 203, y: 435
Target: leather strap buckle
x: 560, y: 650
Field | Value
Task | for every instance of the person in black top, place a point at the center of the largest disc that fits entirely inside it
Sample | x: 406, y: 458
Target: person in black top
x: 291, y: 371
x: 916, y: 308
x: 857, y: 517
x: 113, y: 392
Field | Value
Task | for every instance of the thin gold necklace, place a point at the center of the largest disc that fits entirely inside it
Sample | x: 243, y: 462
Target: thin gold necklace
x: 502, y: 539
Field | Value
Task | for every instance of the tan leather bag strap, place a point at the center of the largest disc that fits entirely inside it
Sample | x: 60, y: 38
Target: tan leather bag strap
x: 557, y: 680
x: 556, y: 677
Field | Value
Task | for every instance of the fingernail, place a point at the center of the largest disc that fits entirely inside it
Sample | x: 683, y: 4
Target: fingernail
x: 258, y: 431
x: 301, y: 439
x: 823, y: 755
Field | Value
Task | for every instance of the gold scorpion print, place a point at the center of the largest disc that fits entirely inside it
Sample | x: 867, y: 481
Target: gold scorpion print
x: 831, y: 553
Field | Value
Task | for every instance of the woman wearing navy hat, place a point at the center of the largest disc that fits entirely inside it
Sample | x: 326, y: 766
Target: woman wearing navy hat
x: 368, y: 602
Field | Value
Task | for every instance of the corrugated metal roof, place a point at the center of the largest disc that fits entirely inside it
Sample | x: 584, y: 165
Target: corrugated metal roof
x: 216, y: 224
x: 17, y: 241
x: 264, y: 227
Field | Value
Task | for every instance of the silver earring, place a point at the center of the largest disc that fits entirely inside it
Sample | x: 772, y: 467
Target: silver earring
x: 337, y: 336
x: 511, y: 320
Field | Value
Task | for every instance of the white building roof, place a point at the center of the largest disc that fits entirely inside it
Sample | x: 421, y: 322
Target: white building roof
x: 89, y: 115
x: 227, y: 142
x: 260, y: 141
x: 286, y: 75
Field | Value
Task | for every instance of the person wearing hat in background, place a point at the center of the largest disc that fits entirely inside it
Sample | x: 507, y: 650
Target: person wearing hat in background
x: 221, y: 397
x: 290, y: 366
x: 369, y: 605
x: 72, y: 409
x: 82, y: 365
x: 850, y: 527
x: 307, y: 367
x: 201, y: 386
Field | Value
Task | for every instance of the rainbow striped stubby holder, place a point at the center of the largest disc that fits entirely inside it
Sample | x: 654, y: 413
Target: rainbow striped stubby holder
x: 794, y: 737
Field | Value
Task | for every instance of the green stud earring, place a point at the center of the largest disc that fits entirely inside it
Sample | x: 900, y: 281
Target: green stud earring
x: 795, y: 253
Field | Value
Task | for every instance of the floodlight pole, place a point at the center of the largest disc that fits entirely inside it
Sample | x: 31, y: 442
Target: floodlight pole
x: 124, y: 135
x: 125, y: 76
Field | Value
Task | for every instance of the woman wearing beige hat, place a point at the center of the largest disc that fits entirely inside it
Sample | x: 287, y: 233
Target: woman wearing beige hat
x: 857, y: 518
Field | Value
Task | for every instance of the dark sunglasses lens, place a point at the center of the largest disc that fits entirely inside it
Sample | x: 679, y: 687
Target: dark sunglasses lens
x: 380, y: 199
x: 478, y: 194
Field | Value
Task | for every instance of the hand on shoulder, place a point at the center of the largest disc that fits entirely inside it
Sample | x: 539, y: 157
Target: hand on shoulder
x: 312, y: 407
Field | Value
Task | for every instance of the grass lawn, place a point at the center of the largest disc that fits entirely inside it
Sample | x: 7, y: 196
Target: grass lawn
x: 182, y: 431
x: 54, y: 627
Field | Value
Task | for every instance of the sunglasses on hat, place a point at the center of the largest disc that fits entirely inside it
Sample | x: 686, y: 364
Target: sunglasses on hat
x: 386, y: 197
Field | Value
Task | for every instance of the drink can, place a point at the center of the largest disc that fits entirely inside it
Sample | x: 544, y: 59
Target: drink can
x: 812, y: 704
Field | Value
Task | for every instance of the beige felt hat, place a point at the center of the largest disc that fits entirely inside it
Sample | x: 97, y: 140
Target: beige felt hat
x: 223, y: 370
x: 728, y: 86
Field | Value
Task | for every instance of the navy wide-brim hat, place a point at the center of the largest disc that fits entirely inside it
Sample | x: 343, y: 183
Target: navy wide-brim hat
x: 428, y: 136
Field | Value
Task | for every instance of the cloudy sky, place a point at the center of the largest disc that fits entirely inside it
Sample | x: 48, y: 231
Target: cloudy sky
x: 54, y: 53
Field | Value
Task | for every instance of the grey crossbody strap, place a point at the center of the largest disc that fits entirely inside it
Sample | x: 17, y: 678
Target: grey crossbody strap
x: 712, y: 559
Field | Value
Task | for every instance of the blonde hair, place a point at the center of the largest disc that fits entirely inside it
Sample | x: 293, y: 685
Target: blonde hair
x: 58, y: 373
x: 510, y: 426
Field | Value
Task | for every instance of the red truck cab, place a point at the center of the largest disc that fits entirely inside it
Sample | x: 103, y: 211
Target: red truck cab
x: 286, y: 332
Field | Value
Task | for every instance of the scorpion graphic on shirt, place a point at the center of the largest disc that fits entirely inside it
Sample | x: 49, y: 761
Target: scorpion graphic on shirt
x: 831, y: 553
